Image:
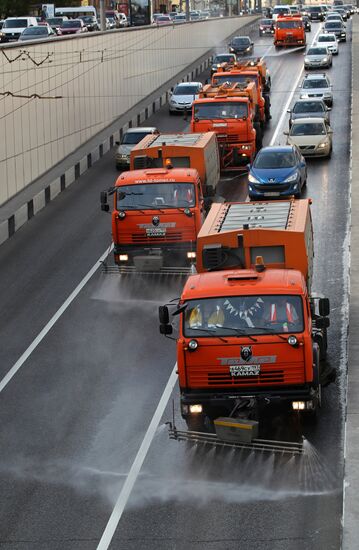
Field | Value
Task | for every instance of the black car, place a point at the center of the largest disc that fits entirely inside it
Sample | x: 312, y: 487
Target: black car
x: 222, y: 58
x: 337, y: 28
x: 342, y: 12
x: 309, y: 108
x: 91, y: 22
x: 315, y: 13
x: 241, y: 45
x: 266, y: 26
x: 307, y: 24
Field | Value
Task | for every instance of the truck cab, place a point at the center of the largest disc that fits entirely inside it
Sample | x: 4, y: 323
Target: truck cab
x: 289, y: 31
x: 229, y: 110
x: 157, y: 214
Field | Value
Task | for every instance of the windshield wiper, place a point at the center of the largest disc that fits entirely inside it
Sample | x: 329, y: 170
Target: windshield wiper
x: 240, y: 331
x: 209, y: 331
x: 271, y: 331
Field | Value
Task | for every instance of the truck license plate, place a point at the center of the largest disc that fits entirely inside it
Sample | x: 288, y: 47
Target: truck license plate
x: 244, y: 370
x: 156, y: 232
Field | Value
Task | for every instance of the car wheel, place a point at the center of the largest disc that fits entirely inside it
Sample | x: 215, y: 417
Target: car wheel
x: 304, y: 183
x: 297, y: 195
x: 330, y: 153
x: 170, y: 112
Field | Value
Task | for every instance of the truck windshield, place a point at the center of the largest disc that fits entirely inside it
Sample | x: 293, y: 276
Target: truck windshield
x: 155, y: 196
x: 241, y: 315
x: 289, y: 25
x: 213, y: 110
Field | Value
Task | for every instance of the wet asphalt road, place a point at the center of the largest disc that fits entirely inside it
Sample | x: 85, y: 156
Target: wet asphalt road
x: 74, y: 415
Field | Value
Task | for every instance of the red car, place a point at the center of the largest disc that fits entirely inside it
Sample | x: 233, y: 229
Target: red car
x: 72, y: 26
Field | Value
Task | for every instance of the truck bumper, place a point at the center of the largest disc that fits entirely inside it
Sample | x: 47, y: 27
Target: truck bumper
x: 236, y: 156
x: 153, y: 257
x: 226, y: 400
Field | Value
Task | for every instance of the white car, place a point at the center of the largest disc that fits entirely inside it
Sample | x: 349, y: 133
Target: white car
x: 183, y: 95
x: 13, y: 27
x: 312, y: 136
x: 330, y: 41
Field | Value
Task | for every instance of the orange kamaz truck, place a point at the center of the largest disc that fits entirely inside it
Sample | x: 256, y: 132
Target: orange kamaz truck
x: 159, y: 207
x: 230, y: 111
x: 289, y: 31
x: 198, y: 151
x: 251, y: 332
x: 243, y: 74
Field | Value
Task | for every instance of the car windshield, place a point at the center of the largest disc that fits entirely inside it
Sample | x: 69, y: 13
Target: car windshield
x: 71, y: 24
x: 308, y: 107
x: 89, y: 19
x: 54, y: 21
x: 314, y: 9
x: 213, y: 110
x: 185, y: 90
x: 223, y: 59
x: 333, y: 25
x: 156, y: 196
x: 326, y: 38
x: 132, y: 138
x: 312, y: 83
x: 274, y: 159
x: 289, y: 24
x: 164, y: 18
x: 308, y: 129
x: 266, y: 22
x: 180, y: 17
x: 240, y: 41
x: 35, y: 30
x: 281, y: 11
x: 240, y: 315
x: 221, y: 79
x: 15, y: 24
x: 317, y: 51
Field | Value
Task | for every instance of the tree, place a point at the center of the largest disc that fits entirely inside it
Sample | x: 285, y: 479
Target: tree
x: 13, y: 8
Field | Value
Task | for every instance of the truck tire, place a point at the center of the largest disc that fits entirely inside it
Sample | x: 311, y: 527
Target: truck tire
x: 259, y: 135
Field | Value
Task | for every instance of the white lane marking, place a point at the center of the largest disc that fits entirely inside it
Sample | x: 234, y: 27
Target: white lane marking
x: 125, y: 493
x: 19, y: 363
x: 284, y: 113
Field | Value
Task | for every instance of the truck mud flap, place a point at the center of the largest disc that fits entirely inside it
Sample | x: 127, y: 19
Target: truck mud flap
x: 263, y: 445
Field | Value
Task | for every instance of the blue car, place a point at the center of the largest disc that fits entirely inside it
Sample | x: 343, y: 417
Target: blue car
x: 277, y: 172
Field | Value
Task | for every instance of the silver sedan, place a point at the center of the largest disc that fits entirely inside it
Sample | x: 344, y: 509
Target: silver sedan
x: 318, y: 57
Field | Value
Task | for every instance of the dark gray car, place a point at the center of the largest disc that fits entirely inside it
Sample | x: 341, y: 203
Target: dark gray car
x: 309, y: 108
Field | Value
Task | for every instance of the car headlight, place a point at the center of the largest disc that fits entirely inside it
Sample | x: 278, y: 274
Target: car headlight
x: 125, y: 157
x: 306, y: 60
x: 231, y: 49
x: 248, y: 49
x: 252, y: 179
x: 325, y: 60
x: 304, y: 96
x: 323, y: 145
x: 327, y: 94
x: 293, y: 177
x: 173, y: 101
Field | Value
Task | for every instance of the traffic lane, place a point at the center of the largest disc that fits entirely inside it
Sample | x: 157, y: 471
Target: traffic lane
x: 44, y: 261
x: 79, y: 409
x: 309, y: 494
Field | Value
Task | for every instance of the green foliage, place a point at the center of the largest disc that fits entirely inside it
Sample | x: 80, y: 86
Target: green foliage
x: 11, y: 8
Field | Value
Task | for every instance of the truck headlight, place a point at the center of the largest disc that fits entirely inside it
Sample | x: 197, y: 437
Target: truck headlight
x: 293, y: 177
x: 246, y: 147
x: 195, y: 409
x: 192, y: 345
x: 191, y: 255
x: 123, y: 257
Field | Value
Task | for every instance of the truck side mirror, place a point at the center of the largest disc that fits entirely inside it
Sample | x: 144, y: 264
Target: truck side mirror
x: 324, y: 307
x: 322, y: 322
x: 166, y: 330
x: 103, y: 199
x: 163, y: 315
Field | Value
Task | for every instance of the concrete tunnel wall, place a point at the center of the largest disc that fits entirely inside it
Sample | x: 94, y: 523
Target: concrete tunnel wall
x: 82, y: 85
